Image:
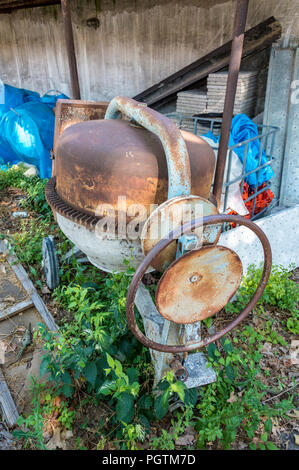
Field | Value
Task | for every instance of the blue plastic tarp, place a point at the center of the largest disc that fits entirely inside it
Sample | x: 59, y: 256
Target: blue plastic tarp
x: 14, y: 97
x: 27, y: 128
x: 243, y: 128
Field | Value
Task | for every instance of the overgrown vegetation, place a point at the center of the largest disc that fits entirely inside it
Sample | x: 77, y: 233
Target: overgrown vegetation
x: 34, y: 188
x: 280, y: 292
x: 95, y: 361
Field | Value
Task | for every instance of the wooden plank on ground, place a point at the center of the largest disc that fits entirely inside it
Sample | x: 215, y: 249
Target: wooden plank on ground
x: 7, y: 404
x: 15, y: 309
x: 28, y: 286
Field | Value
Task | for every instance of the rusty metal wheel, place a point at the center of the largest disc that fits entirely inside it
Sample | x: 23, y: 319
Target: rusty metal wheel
x: 198, y: 284
x: 209, y: 220
x: 170, y: 215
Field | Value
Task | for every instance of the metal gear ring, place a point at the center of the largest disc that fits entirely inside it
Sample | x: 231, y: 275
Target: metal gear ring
x: 209, y: 220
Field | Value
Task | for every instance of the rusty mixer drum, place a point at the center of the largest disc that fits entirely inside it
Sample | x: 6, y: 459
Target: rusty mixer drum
x: 98, y: 161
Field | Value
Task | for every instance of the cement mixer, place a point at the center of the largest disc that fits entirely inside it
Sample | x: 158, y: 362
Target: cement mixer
x: 134, y: 186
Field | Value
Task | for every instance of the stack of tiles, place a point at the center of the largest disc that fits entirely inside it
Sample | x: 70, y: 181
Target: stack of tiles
x: 245, y: 95
x: 191, y: 102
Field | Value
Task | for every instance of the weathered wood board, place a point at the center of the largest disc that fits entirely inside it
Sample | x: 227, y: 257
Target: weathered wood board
x: 20, y: 305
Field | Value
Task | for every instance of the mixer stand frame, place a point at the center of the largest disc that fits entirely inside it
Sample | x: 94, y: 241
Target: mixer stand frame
x: 160, y: 330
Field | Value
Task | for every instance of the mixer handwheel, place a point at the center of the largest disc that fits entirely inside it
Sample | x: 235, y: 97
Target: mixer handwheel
x: 50, y: 263
x: 187, y: 228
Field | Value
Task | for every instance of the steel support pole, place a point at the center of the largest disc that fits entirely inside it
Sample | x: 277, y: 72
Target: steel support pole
x: 232, y: 81
x: 69, y: 39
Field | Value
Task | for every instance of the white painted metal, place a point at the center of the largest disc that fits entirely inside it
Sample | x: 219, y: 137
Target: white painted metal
x: 106, y: 254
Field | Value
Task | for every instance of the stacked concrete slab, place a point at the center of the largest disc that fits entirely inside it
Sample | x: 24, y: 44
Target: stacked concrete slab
x: 245, y: 95
x: 191, y: 102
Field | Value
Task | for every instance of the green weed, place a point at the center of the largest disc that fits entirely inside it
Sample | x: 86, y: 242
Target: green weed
x: 281, y: 291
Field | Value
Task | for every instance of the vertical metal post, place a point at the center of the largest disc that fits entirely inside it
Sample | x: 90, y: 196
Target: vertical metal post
x: 69, y: 39
x: 232, y: 81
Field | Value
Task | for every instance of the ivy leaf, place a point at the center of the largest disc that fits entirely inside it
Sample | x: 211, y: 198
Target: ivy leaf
x: 165, y: 397
x: 133, y: 374
x: 190, y: 396
x: 91, y: 285
x: 212, y: 351
x: 163, y: 385
x: 229, y: 370
x: 66, y: 378
x: 118, y: 369
x: 227, y: 345
x: 268, y: 425
x: 145, y: 423
x: 20, y: 421
x: 128, y: 348
x: 107, y: 388
x: 179, y: 388
x: 90, y: 372
x: 88, y: 351
x: 145, y: 402
x: 271, y: 446
x: 125, y: 407
x: 162, y: 404
x: 110, y: 361
x: 67, y: 390
x: 44, y: 365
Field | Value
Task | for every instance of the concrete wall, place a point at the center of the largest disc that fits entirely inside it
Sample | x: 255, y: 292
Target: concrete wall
x: 282, y: 110
x: 136, y: 43
x: 282, y: 231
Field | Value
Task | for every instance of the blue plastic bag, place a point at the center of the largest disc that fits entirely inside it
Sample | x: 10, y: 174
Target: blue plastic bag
x: 27, y: 128
x: 29, y: 133
x: 242, y: 129
x: 210, y: 136
x: 14, y: 97
x: 50, y: 99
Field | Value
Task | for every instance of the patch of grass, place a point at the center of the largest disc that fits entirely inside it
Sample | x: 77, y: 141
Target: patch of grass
x: 11, y: 178
x: 33, y: 187
x: 31, y: 428
x: 233, y: 405
x: 281, y: 292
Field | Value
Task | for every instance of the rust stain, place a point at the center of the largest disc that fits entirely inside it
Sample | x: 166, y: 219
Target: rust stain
x: 171, y: 215
x: 91, y: 169
x: 199, y: 284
